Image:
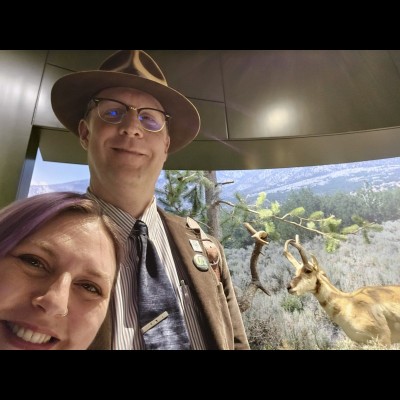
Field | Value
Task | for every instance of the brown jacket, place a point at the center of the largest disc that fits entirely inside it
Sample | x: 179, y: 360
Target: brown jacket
x: 216, y: 298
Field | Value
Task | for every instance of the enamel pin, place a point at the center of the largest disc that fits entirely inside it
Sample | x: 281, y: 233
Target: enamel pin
x: 201, y: 262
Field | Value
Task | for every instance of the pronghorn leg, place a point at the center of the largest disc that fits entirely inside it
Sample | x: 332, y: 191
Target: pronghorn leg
x: 385, y: 336
x: 383, y: 333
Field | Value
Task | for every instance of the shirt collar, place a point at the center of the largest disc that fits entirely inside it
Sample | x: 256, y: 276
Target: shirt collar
x: 124, y: 220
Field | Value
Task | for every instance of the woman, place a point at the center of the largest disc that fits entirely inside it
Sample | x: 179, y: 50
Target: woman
x: 58, y: 262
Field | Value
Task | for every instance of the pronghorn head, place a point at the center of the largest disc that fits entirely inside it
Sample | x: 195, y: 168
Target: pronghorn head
x: 306, y: 278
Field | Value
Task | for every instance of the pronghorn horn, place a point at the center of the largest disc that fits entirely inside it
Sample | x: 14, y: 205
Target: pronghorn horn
x: 289, y: 256
x: 301, y: 251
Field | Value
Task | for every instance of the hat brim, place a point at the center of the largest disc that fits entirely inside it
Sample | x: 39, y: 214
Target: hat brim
x: 71, y: 94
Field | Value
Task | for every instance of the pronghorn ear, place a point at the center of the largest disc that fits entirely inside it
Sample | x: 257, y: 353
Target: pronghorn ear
x: 314, y: 263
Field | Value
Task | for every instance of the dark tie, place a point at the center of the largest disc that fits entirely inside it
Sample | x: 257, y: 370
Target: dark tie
x: 160, y: 316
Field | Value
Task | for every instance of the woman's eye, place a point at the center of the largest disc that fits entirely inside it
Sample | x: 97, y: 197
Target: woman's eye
x: 31, y: 260
x: 91, y: 288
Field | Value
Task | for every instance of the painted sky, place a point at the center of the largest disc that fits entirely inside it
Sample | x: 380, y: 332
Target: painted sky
x: 48, y: 173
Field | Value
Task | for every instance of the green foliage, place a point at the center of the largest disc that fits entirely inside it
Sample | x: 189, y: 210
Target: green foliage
x: 331, y: 245
x: 291, y: 303
x: 261, y: 199
x: 317, y: 215
x: 330, y: 224
x: 183, y: 194
x: 361, y: 222
x: 275, y: 208
x: 350, y: 229
x: 374, y: 206
x: 366, y: 227
x: 232, y: 219
x: 311, y: 225
x: 265, y: 213
x: 304, y: 213
x: 282, y: 222
x: 270, y: 228
x: 297, y: 212
x: 366, y: 237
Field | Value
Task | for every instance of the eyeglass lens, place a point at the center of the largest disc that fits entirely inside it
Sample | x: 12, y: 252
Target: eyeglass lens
x: 113, y: 113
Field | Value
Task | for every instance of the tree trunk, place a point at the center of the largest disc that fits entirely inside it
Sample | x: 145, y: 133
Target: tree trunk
x: 246, y: 300
x: 212, y: 199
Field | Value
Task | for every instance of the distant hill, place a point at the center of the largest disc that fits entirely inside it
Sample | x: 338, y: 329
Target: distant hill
x: 75, y: 186
x: 324, y: 179
x: 277, y: 183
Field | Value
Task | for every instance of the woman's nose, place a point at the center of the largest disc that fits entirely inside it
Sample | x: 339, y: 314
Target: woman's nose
x: 54, y: 300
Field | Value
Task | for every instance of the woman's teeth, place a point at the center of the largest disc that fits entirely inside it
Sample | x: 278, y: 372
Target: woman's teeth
x: 29, y: 335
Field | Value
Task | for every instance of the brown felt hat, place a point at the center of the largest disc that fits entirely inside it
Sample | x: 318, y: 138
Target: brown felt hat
x: 135, y: 69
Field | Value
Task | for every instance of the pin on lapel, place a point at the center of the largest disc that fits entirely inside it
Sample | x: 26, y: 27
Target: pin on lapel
x: 201, y: 262
x: 196, y: 245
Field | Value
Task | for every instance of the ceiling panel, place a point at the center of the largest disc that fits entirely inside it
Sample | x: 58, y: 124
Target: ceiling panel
x: 263, y: 108
x: 287, y: 152
x: 44, y: 115
x: 78, y: 60
x: 213, y: 120
x: 62, y: 146
x: 195, y: 73
x: 300, y: 93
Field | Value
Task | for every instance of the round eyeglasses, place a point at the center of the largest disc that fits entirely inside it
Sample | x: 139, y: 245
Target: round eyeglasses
x: 113, y: 112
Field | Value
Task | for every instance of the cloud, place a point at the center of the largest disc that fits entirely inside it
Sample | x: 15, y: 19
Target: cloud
x: 38, y: 183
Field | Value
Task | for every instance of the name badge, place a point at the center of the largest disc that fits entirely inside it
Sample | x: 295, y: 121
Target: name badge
x: 195, y: 245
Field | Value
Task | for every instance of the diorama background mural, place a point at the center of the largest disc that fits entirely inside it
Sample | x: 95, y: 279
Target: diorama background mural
x: 282, y: 320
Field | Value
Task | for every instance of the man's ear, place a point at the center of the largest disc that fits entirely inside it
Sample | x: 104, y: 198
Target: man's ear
x: 167, y: 143
x: 83, y: 130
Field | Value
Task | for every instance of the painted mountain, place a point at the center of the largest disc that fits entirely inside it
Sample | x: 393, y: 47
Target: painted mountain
x: 277, y: 183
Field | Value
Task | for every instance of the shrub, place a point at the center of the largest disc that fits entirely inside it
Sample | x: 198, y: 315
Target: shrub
x: 291, y: 303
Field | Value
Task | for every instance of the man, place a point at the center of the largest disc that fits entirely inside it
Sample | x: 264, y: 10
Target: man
x: 128, y: 120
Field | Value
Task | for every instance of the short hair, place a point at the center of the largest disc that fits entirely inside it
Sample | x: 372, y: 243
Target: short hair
x: 23, y: 217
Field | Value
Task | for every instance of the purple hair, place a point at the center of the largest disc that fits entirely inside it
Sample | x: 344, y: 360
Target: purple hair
x: 23, y: 217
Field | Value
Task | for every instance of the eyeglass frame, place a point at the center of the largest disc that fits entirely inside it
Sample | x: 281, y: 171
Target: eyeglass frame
x: 96, y: 101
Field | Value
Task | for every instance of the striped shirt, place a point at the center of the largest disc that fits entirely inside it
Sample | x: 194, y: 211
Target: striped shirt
x: 126, y: 332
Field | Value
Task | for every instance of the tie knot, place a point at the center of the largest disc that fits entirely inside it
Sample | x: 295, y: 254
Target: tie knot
x: 140, y: 228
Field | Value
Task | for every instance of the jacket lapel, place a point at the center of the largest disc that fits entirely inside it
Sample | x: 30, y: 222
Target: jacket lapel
x: 203, y: 284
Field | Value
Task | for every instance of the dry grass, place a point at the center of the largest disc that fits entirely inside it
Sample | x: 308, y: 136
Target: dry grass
x: 348, y: 344
x: 283, y: 321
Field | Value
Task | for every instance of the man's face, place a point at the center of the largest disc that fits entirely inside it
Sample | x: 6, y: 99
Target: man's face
x: 124, y: 153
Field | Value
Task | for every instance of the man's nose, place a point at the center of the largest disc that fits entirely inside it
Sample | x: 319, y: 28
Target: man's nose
x: 54, y: 300
x: 130, y: 125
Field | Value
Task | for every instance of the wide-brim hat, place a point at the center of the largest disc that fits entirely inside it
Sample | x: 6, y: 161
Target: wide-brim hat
x: 135, y: 69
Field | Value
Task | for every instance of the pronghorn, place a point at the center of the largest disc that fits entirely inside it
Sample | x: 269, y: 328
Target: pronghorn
x: 371, y: 312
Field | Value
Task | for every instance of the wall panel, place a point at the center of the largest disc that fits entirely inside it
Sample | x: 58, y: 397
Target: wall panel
x: 20, y: 76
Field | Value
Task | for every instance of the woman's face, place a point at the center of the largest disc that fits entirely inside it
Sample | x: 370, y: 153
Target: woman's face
x: 67, y: 265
